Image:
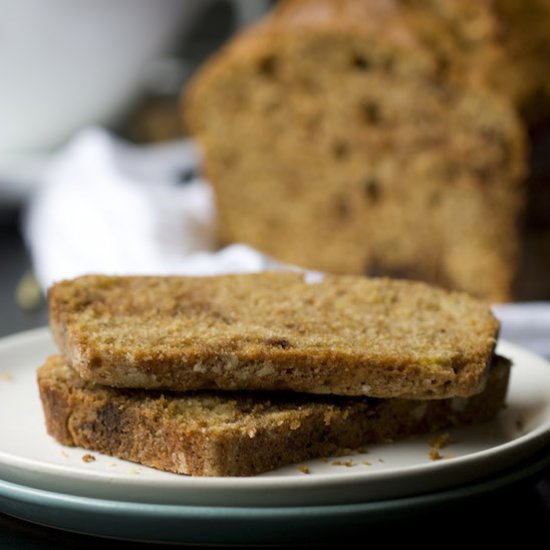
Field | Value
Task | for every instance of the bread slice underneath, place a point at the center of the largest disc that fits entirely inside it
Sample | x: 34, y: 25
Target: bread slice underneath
x: 344, y: 335
x: 240, y: 434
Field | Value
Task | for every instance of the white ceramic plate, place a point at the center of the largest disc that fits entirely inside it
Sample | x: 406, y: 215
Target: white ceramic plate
x: 29, y: 457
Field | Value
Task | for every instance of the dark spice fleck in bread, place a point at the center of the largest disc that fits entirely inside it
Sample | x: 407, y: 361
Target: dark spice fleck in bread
x: 239, y: 434
x: 345, y: 335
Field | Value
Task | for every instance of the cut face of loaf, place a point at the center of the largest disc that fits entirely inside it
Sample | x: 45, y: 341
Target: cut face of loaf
x: 360, y: 137
x: 345, y: 335
x: 239, y: 434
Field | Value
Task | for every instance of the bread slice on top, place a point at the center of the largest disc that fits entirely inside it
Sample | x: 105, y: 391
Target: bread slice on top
x: 346, y: 335
x: 240, y: 433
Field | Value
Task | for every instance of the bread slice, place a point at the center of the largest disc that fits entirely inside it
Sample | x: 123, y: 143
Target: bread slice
x: 239, y: 434
x: 345, y: 335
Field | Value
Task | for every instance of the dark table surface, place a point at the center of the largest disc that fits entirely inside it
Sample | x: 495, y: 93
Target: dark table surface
x: 522, y: 508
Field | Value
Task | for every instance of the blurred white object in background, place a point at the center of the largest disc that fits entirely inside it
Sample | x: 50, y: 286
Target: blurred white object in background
x: 66, y: 64
x: 109, y: 207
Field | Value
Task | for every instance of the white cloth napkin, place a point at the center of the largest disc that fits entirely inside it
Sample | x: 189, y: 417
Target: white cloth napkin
x: 106, y: 206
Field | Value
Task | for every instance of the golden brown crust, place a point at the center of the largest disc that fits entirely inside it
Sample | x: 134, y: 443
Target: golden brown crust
x: 239, y: 434
x: 345, y: 335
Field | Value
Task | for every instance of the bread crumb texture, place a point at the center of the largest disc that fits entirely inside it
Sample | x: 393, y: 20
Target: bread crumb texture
x: 237, y: 433
x: 347, y: 335
x: 357, y: 136
x: 435, y: 455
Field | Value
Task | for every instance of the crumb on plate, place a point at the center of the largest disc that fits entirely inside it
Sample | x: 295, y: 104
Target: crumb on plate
x: 435, y: 455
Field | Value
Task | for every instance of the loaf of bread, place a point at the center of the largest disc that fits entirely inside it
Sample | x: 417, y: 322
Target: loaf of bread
x: 346, y: 335
x: 239, y: 434
x: 376, y: 137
